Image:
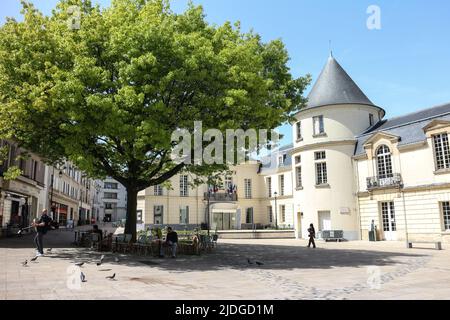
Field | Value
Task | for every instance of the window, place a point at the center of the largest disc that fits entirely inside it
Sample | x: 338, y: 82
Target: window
x: 229, y: 184
x: 371, y: 120
x: 298, y: 159
x: 184, y: 186
x: 281, y: 179
x: 282, y: 160
x: 158, y: 190
x: 318, y: 125
x: 298, y: 130
x: 110, y: 195
x: 298, y: 176
x: 109, y: 206
x: 184, y: 215
x: 283, y: 213
x: 270, y: 212
x: 139, y: 216
x: 111, y: 185
x: 320, y: 155
x: 321, y: 173
x: 441, y: 151
x: 269, y: 187
x: 158, y: 214
x: 249, y: 216
x: 384, y: 162
x: 446, y: 214
x: 248, y: 188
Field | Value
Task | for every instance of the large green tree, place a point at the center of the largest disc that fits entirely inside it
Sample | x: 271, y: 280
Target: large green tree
x: 108, y: 93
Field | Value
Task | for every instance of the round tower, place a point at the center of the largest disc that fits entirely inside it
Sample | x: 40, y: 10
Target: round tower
x: 324, y: 144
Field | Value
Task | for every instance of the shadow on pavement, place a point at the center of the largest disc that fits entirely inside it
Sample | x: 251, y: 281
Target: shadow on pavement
x: 225, y: 256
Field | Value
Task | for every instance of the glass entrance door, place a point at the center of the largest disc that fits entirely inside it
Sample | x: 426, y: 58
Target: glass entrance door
x: 224, y: 221
x: 389, y: 223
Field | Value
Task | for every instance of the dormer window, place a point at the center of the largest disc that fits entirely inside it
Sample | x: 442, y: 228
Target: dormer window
x: 441, y: 151
x: 371, y: 120
x: 282, y: 160
x: 318, y: 126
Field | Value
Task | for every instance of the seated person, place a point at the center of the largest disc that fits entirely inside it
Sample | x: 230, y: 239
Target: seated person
x: 171, y: 241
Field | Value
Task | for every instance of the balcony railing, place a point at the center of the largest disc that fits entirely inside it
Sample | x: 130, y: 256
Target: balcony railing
x: 384, y: 182
x: 221, y: 197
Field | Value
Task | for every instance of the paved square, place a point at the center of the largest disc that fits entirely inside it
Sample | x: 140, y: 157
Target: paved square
x: 350, y: 270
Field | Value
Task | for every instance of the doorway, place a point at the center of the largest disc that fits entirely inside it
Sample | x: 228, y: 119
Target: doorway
x: 224, y: 221
x: 324, y: 220
x: 389, y: 223
x: 299, y: 225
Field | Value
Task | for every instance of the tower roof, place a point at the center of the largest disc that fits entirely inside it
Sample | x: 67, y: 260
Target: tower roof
x: 334, y: 86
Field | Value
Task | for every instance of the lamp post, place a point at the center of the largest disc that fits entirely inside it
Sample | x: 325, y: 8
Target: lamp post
x: 276, y: 210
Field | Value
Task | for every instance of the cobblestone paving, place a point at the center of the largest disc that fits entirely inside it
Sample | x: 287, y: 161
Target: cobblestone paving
x: 288, y: 270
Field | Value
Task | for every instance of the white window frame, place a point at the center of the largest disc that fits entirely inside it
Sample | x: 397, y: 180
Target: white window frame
x: 318, y: 126
x: 298, y: 130
x: 298, y: 177
x: 281, y: 182
x: 184, y: 190
x: 445, y: 206
x: 158, y: 190
x: 441, y: 151
x: 248, y: 188
x: 184, y: 214
x: 384, y: 162
x: 321, y: 173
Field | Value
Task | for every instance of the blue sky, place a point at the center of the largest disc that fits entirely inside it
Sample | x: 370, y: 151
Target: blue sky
x: 403, y: 67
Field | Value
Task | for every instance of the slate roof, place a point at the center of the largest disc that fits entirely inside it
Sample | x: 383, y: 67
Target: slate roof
x: 273, y: 164
x: 334, y: 86
x: 408, y: 127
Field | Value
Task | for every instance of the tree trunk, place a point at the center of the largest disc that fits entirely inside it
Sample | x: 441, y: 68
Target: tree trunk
x: 130, y: 225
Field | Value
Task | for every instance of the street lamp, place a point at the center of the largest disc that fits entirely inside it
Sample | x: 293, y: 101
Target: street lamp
x: 276, y: 210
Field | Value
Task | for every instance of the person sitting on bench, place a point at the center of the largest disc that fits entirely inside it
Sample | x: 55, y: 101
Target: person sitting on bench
x: 171, y: 241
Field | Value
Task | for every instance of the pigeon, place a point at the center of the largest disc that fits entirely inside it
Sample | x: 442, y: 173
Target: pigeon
x: 249, y: 262
x: 24, y: 264
x: 101, y: 260
x: 34, y: 259
x: 83, y: 277
x: 111, y: 277
x: 259, y: 263
x: 79, y: 264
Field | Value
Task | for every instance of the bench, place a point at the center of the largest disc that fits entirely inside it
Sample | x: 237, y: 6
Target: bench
x: 437, y: 244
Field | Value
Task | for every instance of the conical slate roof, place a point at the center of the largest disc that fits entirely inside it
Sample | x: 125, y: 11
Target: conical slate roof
x: 334, y: 86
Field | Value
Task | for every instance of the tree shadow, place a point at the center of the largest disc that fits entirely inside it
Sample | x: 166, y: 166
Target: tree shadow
x: 224, y: 256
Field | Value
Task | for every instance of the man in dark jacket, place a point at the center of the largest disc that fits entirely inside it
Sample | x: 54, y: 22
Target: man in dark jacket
x: 42, y: 226
x: 171, y: 241
x: 312, y: 235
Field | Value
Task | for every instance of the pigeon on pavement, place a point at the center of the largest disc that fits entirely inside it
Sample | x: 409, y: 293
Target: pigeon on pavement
x: 79, y: 264
x: 249, y: 262
x: 111, y: 277
x: 259, y: 263
x: 24, y: 264
x: 101, y: 260
x: 34, y: 259
x: 83, y: 277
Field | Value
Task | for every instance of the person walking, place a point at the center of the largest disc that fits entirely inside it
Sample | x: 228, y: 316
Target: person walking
x: 312, y: 235
x: 42, y: 226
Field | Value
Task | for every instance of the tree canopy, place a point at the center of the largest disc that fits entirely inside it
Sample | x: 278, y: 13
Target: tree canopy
x: 108, y: 94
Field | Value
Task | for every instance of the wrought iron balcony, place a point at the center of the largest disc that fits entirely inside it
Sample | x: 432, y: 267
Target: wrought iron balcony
x: 221, y: 197
x: 384, y: 182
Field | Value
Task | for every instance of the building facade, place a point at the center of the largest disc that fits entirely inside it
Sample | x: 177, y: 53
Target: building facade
x: 347, y: 166
x: 113, y: 200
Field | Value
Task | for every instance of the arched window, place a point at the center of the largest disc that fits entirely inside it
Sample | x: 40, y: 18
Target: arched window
x: 384, y: 162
